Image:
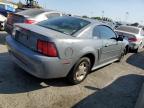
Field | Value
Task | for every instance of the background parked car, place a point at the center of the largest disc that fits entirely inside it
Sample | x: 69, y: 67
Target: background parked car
x: 31, y: 16
x: 64, y: 47
x: 6, y: 8
x: 2, y: 21
x: 134, y: 35
x: 110, y: 23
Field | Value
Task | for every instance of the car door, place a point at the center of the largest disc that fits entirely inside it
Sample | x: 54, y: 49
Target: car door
x: 98, y: 44
x: 111, y: 48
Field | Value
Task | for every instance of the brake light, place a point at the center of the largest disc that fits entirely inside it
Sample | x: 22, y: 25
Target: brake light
x: 47, y: 48
x: 134, y: 40
x: 29, y: 21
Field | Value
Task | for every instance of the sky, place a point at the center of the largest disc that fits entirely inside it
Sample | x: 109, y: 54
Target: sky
x: 122, y: 10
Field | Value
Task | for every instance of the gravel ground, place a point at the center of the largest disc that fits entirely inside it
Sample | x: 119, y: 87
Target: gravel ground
x: 114, y: 86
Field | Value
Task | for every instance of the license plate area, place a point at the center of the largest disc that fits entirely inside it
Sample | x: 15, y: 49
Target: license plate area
x: 22, y: 37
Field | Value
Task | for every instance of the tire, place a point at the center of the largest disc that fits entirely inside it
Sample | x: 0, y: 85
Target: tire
x: 76, y: 75
x: 136, y: 50
x: 127, y: 50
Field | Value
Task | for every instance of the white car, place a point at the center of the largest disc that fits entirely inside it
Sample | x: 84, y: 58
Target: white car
x: 134, y: 35
x: 30, y: 16
x: 2, y: 21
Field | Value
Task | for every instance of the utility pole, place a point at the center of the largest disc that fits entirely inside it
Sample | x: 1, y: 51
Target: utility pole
x: 126, y: 16
x: 141, y: 22
x: 103, y: 12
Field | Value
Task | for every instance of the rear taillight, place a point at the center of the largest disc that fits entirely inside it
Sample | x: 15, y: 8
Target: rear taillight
x: 30, y: 21
x: 134, y: 39
x: 47, y: 48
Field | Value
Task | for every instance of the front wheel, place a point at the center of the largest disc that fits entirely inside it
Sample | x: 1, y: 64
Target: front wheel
x: 136, y: 50
x: 80, y: 71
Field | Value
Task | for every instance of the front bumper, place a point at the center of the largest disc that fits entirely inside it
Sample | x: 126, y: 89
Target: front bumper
x: 34, y: 63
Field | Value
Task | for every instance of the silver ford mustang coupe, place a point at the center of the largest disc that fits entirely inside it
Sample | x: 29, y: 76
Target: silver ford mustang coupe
x: 64, y: 47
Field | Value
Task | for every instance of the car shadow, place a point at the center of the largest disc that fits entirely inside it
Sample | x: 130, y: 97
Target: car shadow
x: 13, y: 79
x: 137, y: 60
x: 122, y: 93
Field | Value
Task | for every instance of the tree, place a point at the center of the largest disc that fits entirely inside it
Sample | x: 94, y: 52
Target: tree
x: 97, y: 18
x: 85, y: 16
x: 20, y: 4
x: 135, y: 24
x: 32, y: 4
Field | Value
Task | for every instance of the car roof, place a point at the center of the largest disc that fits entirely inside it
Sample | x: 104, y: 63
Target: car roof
x: 34, y: 12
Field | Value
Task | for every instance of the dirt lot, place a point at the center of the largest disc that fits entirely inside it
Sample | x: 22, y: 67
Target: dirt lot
x: 114, y: 86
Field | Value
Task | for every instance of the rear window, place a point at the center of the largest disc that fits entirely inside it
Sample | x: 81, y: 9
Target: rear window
x: 128, y: 29
x: 67, y: 25
x: 31, y: 12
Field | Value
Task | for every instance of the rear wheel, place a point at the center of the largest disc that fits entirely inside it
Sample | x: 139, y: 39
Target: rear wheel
x: 79, y: 71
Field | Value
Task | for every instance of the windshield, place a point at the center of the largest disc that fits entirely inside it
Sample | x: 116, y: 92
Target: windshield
x: 67, y: 25
x: 2, y: 6
x: 128, y: 29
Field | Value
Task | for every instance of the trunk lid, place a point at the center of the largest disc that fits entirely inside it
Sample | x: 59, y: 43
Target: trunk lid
x: 131, y: 37
x: 28, y: 34
x: 126, y: 35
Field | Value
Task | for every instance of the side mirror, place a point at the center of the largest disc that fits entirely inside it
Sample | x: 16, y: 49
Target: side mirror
x: 120, y: 38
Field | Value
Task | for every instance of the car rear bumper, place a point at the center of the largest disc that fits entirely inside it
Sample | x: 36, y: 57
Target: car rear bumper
x: 36, y: 64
